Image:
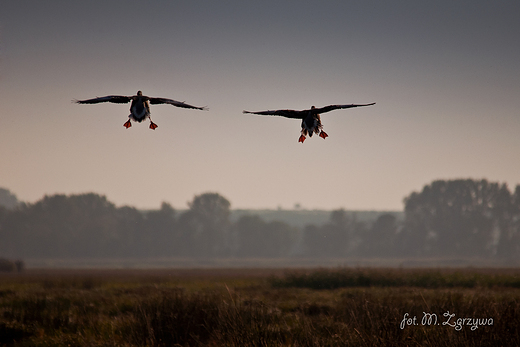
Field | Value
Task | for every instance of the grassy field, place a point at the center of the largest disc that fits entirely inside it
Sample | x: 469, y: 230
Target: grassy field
x: 261, y: 307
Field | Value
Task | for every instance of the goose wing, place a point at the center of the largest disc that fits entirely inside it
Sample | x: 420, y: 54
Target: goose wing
x: 155, y: 101
x: 336, y: 107
x: 283, y: 113
x: 118, y: 99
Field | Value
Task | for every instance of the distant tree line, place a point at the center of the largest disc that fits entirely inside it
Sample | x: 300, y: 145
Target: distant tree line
x: 463, y: 218
x: 88, y: 225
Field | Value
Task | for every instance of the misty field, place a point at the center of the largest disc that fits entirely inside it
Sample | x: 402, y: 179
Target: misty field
x: 261, y: 307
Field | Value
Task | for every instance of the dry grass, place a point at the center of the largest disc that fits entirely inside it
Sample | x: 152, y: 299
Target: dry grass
x: 241, y: 307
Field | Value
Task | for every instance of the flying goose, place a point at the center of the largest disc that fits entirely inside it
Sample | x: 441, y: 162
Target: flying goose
x: 311, y: 121
x: 140, y: 107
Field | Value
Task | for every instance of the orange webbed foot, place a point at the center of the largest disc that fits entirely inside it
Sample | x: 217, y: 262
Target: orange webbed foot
x: 127, y: 124
x: 153, y: 125
x: 301, y: 139
x: 323, y: 134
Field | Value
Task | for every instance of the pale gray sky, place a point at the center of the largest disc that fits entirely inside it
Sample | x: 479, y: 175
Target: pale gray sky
x: 445, y: 76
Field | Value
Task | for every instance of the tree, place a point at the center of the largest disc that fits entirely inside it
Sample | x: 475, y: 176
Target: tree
x: 331, y: 239
x: 62, y: 226
x: 130, y: 240
x: 380, y: 238
x: 206, y: 225
x: 314, y: 242
x: 457, y: 217
x: 508, y: 246
x: 257, y: 238
x: 250, y: 236
x: 7, y: 199
x: 161, y: 229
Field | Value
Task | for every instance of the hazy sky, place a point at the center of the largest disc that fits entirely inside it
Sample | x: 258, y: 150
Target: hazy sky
x: 445, y: 76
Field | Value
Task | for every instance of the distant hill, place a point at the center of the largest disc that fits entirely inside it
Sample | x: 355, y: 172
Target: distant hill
x: 300, y: 218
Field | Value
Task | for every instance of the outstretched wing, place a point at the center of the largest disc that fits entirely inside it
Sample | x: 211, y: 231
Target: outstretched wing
x: 283, y: 113
x: 336, y: 107
x: 118, y: 99
x: 155, y: 101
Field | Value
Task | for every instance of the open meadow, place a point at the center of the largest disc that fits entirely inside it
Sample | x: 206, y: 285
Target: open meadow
x: 261, y: 307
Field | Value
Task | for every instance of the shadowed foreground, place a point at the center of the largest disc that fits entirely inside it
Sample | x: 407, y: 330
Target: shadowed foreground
x: 260, y: 307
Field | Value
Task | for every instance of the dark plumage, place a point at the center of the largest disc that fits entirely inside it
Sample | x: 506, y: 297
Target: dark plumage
x: 140, y: 107
x: 311, y: 121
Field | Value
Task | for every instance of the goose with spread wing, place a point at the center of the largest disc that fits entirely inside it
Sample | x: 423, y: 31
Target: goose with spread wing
x: 311, y: 121
x: 140, y: 106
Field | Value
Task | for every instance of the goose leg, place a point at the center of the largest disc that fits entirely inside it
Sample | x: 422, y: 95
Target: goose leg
x: 323, y: 134
x: 153, y: 125
x: 302, y: 138
x: 127, y: 124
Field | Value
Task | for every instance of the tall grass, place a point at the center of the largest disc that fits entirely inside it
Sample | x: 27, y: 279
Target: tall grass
x: 341, y: 278
x: 161, y: 311
x: 200, y: 319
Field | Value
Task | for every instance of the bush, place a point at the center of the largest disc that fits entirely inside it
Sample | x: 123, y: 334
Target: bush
x: 11, y: 266
x: 7, y: 265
